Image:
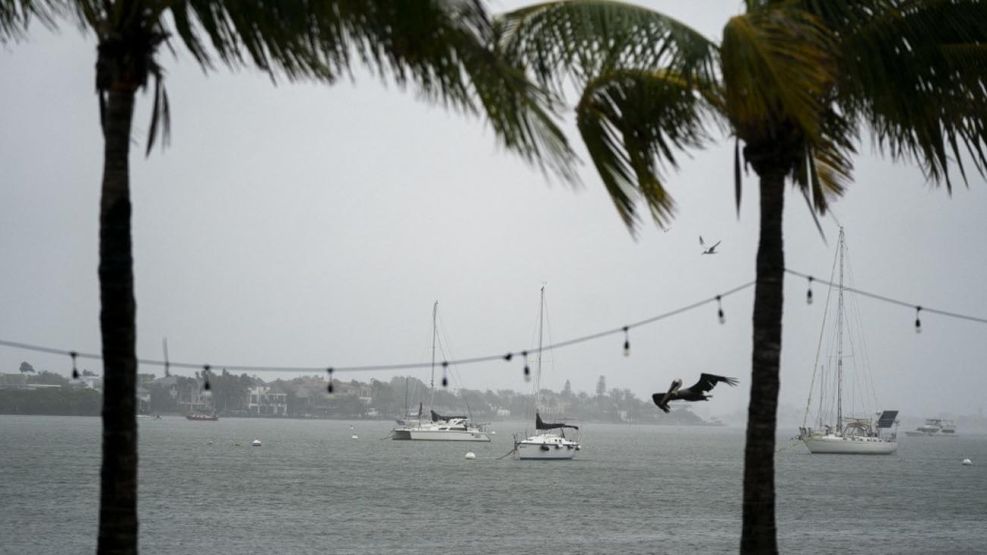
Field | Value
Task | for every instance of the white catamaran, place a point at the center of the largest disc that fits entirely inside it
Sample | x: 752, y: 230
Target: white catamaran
x: 549, y: 441
x: 845, y: 435
x: 438, y: 428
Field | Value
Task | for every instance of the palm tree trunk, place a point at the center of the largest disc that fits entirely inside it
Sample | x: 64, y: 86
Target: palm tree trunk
x: 118, y: 476
x: 759, y: 531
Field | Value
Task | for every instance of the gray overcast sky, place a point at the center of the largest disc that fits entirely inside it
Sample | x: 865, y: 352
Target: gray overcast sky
x: 306, y: 225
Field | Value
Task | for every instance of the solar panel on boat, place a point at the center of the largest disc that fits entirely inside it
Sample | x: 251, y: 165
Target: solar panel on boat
x: 887, y: 419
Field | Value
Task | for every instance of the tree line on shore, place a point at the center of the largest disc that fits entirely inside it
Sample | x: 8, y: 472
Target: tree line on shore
x: 231, y: 395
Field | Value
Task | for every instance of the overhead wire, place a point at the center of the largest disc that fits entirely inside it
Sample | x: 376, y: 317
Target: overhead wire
x: 620, y: 330
x: 396, y: 366
x: 890, y: 300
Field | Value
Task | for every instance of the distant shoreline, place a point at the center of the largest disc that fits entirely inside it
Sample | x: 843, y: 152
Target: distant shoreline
x: 703, y: 424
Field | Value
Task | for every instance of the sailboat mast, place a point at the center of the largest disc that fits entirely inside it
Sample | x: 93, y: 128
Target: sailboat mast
x: 431, y: 385
x: 541, y: 321
x: 839, y: 342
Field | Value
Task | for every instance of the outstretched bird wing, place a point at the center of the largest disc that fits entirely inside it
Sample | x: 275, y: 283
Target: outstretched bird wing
x: 713, y: 248
x: 657, y: 398
x: 707, y: 381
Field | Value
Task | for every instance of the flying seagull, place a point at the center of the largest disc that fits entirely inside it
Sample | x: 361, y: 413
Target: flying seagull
x: 710, y: 250
x: 695, y: 393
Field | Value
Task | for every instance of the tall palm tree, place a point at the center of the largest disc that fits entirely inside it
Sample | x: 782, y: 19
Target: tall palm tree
x: 445, y: 48
x: 794, y: 82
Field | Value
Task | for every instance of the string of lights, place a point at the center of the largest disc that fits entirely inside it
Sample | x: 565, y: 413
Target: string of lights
x: 625, y: 330
x: 918, y: 308
x: 523, y: 353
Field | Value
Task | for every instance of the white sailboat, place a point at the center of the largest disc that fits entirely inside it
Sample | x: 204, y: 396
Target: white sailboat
x: 438, y: 428
x: 846, y: 435
x: 549, y: 441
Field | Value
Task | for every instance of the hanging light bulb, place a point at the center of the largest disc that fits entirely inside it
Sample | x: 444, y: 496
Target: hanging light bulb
x: 75, y: 371
x: 808, y: 294
x: 527, y: 369
x: 206, y: 386
x: 329, y: 387
x: 918, y: 322
x: 508, y: 357
x: 627, y: 343
x: 445, y: 380
x: 719, y: 310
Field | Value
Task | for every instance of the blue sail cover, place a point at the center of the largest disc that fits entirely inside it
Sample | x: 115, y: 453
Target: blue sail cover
x: 887, y: 419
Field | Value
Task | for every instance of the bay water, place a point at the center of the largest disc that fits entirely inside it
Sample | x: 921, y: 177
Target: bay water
x: 311, y: 488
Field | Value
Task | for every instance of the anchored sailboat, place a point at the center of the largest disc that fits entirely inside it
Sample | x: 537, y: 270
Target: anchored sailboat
x: 439, y: 427
x: 846, y: 435
x: 549, y: 441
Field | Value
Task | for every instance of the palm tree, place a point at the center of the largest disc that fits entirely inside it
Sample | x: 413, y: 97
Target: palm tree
x: 795, y: 82
x: 443, y: 47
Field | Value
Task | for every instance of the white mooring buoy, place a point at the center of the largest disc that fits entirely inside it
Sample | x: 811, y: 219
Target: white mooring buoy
x: 255, y: 443
x: 470, y: 455
x: 967, y: 462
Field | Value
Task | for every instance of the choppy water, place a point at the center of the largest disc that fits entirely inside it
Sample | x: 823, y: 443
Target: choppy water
x: 633, y: 489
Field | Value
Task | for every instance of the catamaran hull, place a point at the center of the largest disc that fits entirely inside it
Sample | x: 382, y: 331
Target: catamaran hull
x: 439, y: 435
x: 836, y: 445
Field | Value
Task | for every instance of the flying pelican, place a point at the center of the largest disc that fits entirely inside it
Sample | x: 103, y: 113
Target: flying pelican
x: 710, y: 250
x: 695, y: 393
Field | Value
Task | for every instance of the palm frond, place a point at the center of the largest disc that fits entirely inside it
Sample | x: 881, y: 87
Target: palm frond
x: 633, y: 123
x: 160, y: 112
x: 446, y: 49
x: 17, y: 15
x: 778, y: 66
x: 522, y: 114
x: 737, y: 177
x: 580, y: 38
x: 916, y: 73
x: 825, y: 167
